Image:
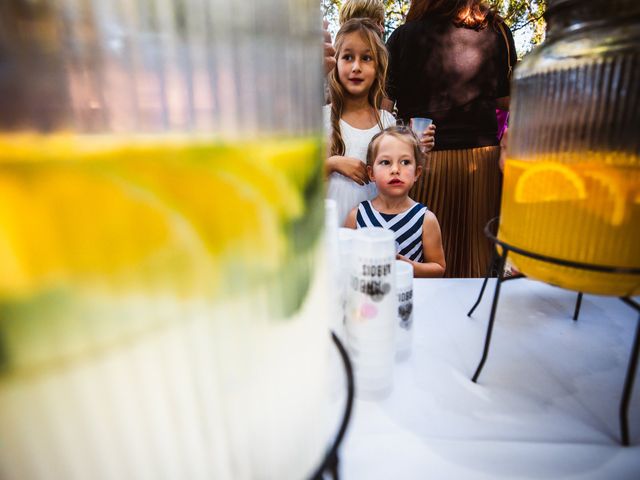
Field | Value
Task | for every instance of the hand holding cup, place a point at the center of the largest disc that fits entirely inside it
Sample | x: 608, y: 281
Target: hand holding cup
x: 425, y: 130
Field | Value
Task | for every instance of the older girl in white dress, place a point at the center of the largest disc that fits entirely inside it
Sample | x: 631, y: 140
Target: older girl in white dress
x: 356, y: 87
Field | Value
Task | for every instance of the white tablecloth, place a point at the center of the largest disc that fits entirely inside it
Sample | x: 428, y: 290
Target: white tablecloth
x: 545, y: 406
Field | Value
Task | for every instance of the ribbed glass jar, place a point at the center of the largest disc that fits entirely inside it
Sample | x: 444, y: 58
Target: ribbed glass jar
x: 161, y: 290
x: 572, y: 175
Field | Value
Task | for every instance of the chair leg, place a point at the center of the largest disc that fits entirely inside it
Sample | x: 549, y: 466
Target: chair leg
x: 628, y: 382
x: 494, y: 306
x: 576, y: 312
x: 492, y: 263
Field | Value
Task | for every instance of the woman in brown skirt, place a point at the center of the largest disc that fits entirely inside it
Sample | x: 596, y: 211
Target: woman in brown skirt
x: 451, y: 62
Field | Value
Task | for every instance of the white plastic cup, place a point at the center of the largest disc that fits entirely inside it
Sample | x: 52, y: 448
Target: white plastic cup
x: 335, y: 285
x: 335, y: 294
x: 345, y: 246
x: 419, y: 125
x: 371, y: 311
x: 331, y: 234
x: 404, y: 290
x: 345, y: 250
x: 372, y: 386
x: 331, y: 215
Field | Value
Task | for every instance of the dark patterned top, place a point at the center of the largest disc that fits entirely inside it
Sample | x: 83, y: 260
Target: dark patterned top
x: 452, y: 75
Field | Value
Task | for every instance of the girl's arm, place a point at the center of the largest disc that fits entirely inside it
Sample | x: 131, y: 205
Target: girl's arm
x: 350, y: 167
x: 433, y: 252
x: 350, y: 222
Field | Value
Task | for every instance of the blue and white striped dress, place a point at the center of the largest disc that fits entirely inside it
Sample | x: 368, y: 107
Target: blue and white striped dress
x: 406, y: 226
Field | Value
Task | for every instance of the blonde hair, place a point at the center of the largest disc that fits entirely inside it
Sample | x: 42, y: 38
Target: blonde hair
x: 400, y: 132
x: 373, y: 9
x: 367, y: 30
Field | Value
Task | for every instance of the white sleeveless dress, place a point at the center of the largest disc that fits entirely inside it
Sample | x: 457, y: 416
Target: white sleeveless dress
x: 347, y: 193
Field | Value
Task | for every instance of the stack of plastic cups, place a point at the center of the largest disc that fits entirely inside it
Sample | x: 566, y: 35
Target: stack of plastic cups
x: 335, y: 286
x: 372, y: 306
x: 345, y: 248
x: 404, y: 288
x: 335, y: 311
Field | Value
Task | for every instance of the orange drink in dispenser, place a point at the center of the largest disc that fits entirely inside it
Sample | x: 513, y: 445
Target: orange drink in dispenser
x: 572, y: 175
x: 583, y: 209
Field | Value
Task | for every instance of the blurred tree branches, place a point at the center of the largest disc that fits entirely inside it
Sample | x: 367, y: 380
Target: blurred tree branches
x: 519, y: 14
x: 524, y: 18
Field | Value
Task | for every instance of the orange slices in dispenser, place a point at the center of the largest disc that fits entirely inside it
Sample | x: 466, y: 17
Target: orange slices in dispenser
x: 549, y: 182
x: 608, y: 190
x: 583, y: 207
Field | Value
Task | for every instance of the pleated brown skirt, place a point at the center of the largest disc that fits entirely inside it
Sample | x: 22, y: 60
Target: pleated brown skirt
x: 462, y: 188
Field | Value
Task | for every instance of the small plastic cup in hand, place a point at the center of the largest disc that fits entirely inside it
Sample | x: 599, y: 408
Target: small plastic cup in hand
x: 419, y: 125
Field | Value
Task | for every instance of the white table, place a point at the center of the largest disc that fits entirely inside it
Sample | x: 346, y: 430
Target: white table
x: 545, y: 406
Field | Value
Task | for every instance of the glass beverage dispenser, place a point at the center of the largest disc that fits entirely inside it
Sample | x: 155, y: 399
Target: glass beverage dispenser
x: 161, y: 302
x: 572, y: 175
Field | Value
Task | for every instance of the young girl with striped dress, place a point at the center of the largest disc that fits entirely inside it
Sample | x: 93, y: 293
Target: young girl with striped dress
x: 394, y: 163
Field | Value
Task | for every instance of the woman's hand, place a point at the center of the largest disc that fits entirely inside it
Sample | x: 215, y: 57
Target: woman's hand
x: 428, y: 138
x: 350, y: 167
x: 329, y: 51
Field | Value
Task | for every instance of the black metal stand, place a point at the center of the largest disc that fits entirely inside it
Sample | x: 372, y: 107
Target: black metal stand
x: 330, y: 464
x: 498, y: 261
x: 576, y: 312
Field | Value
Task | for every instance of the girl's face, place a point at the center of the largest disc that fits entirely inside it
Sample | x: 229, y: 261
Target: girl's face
x: 356, y: 66
x: 394, y: 168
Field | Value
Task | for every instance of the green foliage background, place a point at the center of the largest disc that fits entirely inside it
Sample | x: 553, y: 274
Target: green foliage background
x: 524, y: 18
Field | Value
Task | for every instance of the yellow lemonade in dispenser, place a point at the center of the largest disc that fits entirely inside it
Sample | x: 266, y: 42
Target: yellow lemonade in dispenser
x: 582, y: 207
x: 163, y: 283
x: 148, y: 271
